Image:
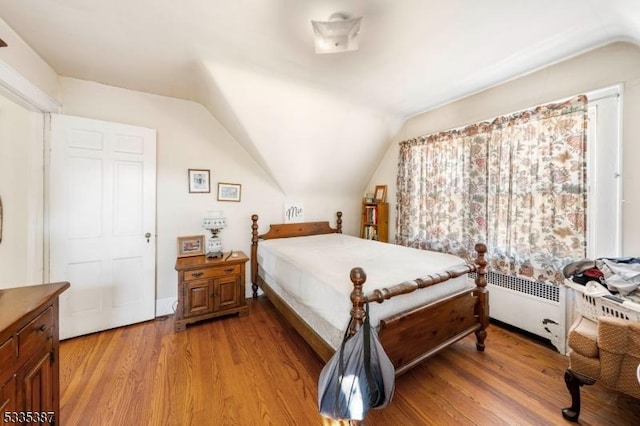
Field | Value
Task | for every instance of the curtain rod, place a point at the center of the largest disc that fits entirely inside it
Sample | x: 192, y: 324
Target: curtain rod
x: 611, y: 95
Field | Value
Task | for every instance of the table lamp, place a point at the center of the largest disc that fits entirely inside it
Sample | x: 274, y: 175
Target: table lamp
x: 214, y: 222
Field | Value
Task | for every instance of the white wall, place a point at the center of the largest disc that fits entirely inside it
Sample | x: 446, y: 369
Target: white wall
x: 190, y: 137
x: 602, y: 67
x: 21, y: 185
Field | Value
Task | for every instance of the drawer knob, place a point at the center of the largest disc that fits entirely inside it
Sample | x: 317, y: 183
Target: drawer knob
x: 42, y: 328
x: 198, y: 274
x: 228, y: 270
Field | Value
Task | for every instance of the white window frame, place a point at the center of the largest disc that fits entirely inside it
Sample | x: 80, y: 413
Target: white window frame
x: 604, y: 173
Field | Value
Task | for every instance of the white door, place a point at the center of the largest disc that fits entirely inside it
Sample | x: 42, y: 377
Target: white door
x: 102, y: 185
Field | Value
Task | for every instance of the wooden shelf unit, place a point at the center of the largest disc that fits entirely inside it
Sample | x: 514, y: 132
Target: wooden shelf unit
x: 375, y: 221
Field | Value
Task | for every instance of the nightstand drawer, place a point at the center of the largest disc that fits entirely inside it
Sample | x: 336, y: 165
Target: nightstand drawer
x: 34, y: 336
x: 218, y: 271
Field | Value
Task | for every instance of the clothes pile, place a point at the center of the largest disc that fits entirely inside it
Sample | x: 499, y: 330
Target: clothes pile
x: 619, y: 274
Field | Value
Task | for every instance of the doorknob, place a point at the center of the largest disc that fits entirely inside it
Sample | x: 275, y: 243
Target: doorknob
x: 147, y: 236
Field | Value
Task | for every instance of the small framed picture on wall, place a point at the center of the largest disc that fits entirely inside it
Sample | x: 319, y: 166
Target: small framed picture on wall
x: 199, y: 181
x: 229, y: 191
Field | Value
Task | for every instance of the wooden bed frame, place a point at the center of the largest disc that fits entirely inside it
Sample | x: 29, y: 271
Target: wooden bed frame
x: 430, y: 328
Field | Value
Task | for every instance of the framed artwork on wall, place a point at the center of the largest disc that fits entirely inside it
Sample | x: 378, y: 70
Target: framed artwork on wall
x: 380, y: 194
x: 192, y: 245
x: 199, y: 181
x: 229, y: 191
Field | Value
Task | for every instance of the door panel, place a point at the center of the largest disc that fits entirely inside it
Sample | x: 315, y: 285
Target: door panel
x: 102, y: 203
x: 198, y: 298
x: 84, y: 204
x: 38, y: 385
x: 128, y: 208
x: 227, y: 294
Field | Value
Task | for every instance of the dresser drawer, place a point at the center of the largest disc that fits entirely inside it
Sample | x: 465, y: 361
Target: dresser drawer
x: 218, y: 271
x: 7, y: 352
x: 7, y: 358
x: 34, y: 336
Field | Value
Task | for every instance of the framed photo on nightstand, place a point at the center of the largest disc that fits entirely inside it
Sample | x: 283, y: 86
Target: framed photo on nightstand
x: 192, y: 245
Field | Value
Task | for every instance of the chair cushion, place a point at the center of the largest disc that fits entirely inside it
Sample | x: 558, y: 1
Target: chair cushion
x: 619, y: 342
x: 584, y: 365
x: 618, y: 372
x: 619, y: 336
x: 583, y: 337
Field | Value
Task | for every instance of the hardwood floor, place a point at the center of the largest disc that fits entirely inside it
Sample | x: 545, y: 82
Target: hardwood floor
x: 256, y: 370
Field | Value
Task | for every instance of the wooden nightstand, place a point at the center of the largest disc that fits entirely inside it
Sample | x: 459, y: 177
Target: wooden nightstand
x: 208, y: 288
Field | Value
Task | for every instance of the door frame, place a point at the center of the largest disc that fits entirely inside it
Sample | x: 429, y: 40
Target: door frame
x: 19, y: 89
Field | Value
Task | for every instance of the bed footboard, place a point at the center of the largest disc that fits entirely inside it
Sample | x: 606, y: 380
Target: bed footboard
x: 431, y: 327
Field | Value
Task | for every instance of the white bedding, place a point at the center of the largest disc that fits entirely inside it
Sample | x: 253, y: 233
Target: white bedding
x: 312, y: 275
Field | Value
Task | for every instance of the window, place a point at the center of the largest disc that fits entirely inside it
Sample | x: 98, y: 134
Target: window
x: 519, y: 183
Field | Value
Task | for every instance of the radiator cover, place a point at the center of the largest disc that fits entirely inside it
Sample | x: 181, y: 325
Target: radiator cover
x: 539, y: 308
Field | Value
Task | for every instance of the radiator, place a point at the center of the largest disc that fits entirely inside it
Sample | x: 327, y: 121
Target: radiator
x: 539, y: 308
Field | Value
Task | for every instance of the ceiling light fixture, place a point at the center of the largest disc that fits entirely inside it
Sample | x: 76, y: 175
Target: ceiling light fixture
x: 338, y: 34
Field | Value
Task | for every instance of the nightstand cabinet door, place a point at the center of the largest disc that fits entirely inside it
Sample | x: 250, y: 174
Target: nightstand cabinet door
x: 227, y: 292
x: 197, y: 298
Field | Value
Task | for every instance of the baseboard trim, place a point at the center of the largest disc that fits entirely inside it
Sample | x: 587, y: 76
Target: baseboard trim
x: 166, y: 306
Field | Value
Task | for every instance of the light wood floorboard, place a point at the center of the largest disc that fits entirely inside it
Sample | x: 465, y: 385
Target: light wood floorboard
x: 256, y: 370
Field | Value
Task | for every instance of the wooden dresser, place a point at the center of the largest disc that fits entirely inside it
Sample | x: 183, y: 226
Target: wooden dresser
x: 209, y: 288
x: 29, y: 370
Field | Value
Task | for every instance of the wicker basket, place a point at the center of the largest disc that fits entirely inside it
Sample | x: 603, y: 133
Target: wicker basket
x: 597, y: 304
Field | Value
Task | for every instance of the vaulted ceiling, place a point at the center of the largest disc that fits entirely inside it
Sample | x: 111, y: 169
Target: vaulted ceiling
x: 302, y: 115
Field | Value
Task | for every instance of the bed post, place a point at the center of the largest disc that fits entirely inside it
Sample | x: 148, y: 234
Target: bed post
x: 339, y: 222
x: 254, y: 255
x: 482, y: 307
x: 358, y: 277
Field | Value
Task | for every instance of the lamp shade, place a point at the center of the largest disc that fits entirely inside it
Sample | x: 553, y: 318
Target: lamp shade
x: 336, y: 35
x: 214, y: 220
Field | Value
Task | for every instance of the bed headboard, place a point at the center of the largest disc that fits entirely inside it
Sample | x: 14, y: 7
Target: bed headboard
x: 286, y: 230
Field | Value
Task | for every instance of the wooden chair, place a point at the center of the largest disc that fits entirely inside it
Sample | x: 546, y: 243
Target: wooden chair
x: 607, y: 351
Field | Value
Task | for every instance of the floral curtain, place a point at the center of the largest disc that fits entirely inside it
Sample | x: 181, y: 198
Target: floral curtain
x: 517, y: 183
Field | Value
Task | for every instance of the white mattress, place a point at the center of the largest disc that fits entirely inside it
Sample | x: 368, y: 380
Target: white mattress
x: 312, y: 275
